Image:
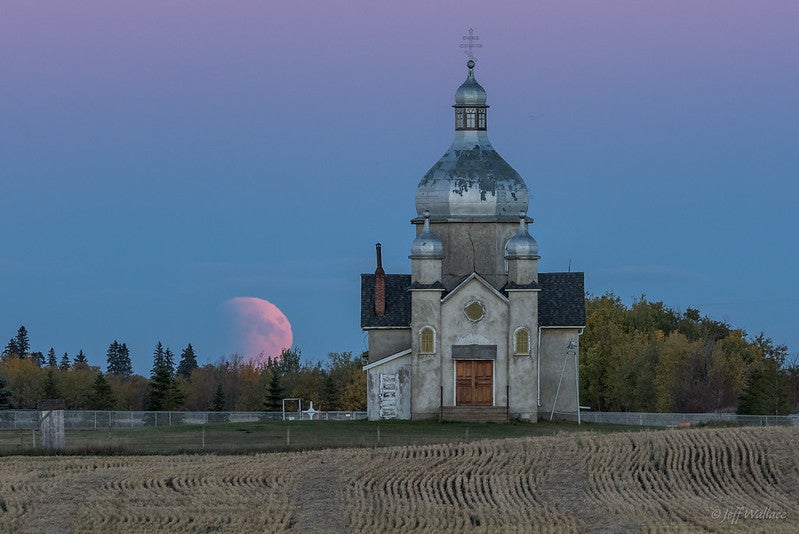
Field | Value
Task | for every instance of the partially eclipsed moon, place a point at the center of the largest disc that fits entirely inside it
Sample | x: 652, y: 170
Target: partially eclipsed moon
x: 261, y: 330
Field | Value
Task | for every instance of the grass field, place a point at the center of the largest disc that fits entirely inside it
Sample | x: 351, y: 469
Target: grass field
x: 682, y: 480
x: 283, y: 436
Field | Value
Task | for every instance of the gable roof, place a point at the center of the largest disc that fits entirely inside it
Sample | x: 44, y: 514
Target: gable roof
x: 469, y: 278
x: 398, y: 302
x: 562, y: 299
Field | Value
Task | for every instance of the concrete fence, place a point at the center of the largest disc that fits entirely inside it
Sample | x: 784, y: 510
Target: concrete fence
x: 685, y: 419
x: 98, y: 419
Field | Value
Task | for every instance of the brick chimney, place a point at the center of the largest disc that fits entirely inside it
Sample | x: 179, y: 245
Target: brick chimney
x: 380, y: 284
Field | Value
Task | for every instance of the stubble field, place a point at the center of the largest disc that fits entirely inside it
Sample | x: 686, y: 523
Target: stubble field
x: 694, y: 480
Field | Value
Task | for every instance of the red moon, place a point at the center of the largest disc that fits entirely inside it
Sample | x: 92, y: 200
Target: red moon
x: 261, y: 330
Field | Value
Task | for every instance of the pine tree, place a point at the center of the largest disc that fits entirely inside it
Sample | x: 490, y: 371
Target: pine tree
x: 51, y: 390
x: 118, y: 358
x: 38, y: 358
x: 188, y: 362
x: 23, y: 344
x: 64, y: 365
x: 11, y: 348
x: 81, y: 360
x: 101, y: 396
x: 766, y: 392
x: 52, y: 361
x: 274, y: 392
x: 5, y: 395
x: 218, y: 404
x: 163, y: 390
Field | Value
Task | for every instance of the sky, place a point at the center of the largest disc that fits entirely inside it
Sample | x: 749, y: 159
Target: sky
x: 160, y: 159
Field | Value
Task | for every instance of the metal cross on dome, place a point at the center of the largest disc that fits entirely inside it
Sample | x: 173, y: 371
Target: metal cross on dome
x: 470, y: 43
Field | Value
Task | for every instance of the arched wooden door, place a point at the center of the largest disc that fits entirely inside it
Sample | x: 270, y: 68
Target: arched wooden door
x: 474, y: 382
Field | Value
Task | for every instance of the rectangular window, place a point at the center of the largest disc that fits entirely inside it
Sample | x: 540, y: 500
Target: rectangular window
x: 522, y: 342
x: 427, y: 341
x: 481, y: 119
x: 459, y: 123
x: 471, y: 117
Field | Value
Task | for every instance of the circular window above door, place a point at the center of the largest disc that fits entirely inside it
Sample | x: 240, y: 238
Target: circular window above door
x: 474, y: 311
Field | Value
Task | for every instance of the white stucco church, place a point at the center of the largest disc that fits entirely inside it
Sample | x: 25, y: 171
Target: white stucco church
x: 475, y: 332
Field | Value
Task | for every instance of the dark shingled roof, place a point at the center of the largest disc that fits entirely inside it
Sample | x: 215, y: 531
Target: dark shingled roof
x: 562, y: 299
x: 398, y: 302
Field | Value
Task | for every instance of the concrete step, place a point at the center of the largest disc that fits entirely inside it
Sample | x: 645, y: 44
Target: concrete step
x: 475, y: 414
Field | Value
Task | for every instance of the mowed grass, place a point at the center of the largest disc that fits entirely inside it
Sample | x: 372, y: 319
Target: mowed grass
x: 680, y: 480
x: 284, y: 436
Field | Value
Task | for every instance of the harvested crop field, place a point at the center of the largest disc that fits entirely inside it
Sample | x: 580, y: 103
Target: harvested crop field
x: 730, y: 480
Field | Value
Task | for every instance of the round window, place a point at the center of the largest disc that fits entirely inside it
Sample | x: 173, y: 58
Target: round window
x: 474, y: 311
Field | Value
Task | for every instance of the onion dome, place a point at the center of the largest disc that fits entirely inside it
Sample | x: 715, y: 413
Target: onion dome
x: 471, y: 181
x: 470, y: 93
x: 426, y: 244
x: 522, y: 246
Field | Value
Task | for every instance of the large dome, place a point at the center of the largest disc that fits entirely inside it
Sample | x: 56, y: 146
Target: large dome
x: 471, y: 180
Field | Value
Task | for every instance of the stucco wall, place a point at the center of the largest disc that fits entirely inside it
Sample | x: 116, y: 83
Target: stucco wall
x: 473, y: 247
x: 457, y: 329
x: 385, y: 342
x: 523, y: 313
x: 401, y: 367
x: 554, y: 347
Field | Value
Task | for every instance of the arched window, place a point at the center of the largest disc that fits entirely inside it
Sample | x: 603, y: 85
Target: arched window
x: 522, y: 341
x: 427, y: 341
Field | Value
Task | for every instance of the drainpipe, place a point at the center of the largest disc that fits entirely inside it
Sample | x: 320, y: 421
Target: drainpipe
x: 538, y: 366
x: 577, y: 374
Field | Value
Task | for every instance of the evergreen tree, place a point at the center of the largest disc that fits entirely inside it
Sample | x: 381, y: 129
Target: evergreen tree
x: 330, y: 392
x: 81, y: 360
x: 188, y: 362
x: 218, y: 404
x: 274, y: 392
x: 101, y: 396
x: 118, y: 358
x: 23, y: 344
x: 767, y: 391
x: 5, y: 395
x: 163, y: 390
x: 11, y: 348
x: 64, y: 365
x: 52, y: 361
x: 38, y: 358
x: 51, y: 390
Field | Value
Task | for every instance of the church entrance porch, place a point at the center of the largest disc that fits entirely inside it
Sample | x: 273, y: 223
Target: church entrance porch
x: 474, y: 382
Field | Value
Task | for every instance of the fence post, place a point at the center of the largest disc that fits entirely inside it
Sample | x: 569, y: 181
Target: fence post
x: 95, y: 419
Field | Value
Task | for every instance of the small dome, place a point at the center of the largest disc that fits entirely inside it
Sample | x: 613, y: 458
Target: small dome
x: 470, y: 93
x: 522, y: 246
x: 426, y: 244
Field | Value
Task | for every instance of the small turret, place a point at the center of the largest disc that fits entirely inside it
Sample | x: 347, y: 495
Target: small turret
x: 427, y: 253
x: 521, y: 253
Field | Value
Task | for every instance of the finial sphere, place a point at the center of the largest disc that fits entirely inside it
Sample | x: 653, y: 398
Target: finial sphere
x: 426, y: 214
x: 522, y: 214
x: 470, y: 64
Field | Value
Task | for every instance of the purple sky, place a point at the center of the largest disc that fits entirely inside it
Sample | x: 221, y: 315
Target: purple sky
x: 160, y: 158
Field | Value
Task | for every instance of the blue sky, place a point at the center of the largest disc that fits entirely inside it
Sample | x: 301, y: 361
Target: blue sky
x: 158, y: 159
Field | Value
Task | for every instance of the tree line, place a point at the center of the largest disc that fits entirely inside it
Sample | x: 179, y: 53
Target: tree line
x: 650, y: 358
x: 231, y: 384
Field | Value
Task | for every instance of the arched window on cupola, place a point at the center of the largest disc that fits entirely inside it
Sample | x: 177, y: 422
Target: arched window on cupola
x: 521, y: 342
x: 427, y: 341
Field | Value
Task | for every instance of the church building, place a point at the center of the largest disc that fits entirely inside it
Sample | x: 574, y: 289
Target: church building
x: 475, y: 332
